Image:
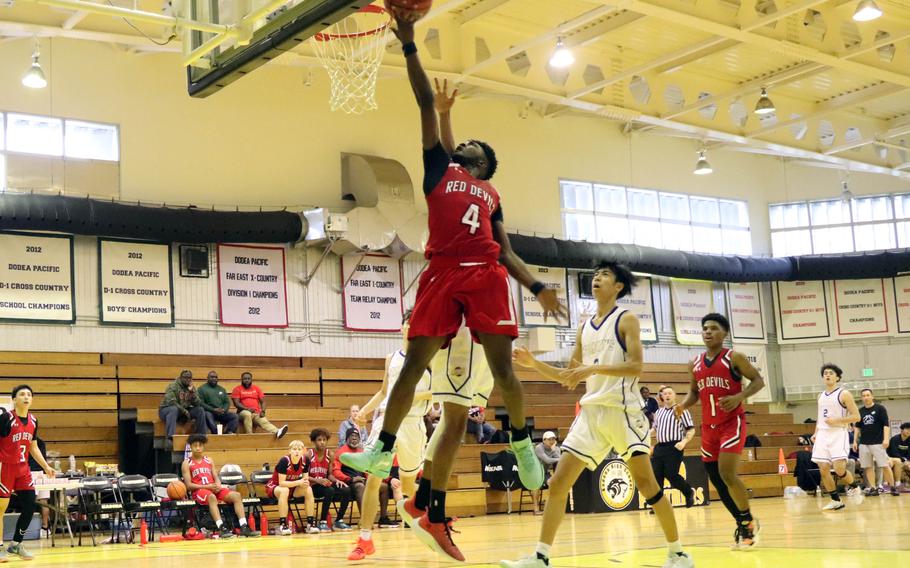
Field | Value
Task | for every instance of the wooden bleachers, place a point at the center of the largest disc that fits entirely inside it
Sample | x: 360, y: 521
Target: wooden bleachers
x: 75, y: 401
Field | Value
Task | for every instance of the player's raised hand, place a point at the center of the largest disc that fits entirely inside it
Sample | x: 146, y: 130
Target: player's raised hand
x: 403, y: 30
x: 551, y: 305
x: 444, y: 100
x: 521, y: 356
x: 571, y: 377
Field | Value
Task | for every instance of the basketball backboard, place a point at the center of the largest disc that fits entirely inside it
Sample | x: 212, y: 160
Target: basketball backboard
x: 257, y: 32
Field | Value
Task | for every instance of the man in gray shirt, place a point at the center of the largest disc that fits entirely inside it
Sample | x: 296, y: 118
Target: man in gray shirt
x: 548, y: 454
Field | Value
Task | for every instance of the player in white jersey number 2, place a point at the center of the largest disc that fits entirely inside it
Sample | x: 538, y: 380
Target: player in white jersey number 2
x: 608, y: 357
x: 409, y: 446
x: 831, y: 441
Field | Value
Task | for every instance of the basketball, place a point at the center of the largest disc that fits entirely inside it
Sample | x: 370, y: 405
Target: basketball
x: 176, y: 490
x: 410, y: 10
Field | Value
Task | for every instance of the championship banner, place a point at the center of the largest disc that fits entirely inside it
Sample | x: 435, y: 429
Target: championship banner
x: 611, y: 488
x: 641, y: 303
x: 758, y: 356
x: 135, y: 283
x: 252, y: 291
x: 901, y: 286
x: 36, y: 278
x: 860, y: 307
x: 692, y: 300
x: 802, y: 310
x: 746, y: 317
x: 372, y: 297
x: 554, y: 278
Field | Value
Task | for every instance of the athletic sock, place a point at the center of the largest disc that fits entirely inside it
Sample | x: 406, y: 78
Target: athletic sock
x: 218, y: 524
x: 311, y: 521
x: 835, y: 496
x: 284, y: 522
x: 675, y: 547
x: 242, y: 521
x: 519, y: 434
x: 745, y: 517
x: 437, y: 512
x: 386, y: 441
x: 422, y: 498
x: 543, y: 552
x: 365, y: 534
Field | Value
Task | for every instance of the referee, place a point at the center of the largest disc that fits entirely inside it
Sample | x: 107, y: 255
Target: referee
x: 672, y: 436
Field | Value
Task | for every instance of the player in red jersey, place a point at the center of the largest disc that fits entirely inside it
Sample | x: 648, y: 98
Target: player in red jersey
x: 289, y: 481
x: 206, y: 489
x: 319, y: 471
x: 468, y: 277
x: 716, y: 380
x: 18, y: 435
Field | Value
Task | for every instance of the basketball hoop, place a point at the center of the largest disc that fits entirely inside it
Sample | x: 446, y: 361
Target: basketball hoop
x: 351, y: 51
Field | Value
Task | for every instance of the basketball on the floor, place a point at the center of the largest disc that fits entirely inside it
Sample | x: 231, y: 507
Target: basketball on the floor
x: 410, y: 10
x: 176, y: 490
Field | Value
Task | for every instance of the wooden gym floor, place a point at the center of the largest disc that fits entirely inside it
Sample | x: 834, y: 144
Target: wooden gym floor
x: 794, y: 533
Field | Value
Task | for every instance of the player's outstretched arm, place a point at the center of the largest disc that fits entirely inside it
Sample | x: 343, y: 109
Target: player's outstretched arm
x: 420, y: 83
x: 519, y: 270
x: 630, y: 329
x: 444, y: 103
x: 374, y: 401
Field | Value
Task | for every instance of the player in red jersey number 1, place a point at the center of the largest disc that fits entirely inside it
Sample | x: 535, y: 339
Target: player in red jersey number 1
x: 18, y: 434
x: 717, y: 380
x: 467, y: 279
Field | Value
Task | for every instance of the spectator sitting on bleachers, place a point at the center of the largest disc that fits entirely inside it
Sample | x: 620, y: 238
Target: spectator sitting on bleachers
x: 899, y: 453
x: 356, y: 480
x: 352, y: 421
x: 649, y: 402
x: 203, y: 484
x: 180, y: 404
x: 217, y: 404
x: 431, y: 420
x: 250, y: 402
x: 325, y: 486
x: 478, y: 426
x: 289, y: 481
x: 548, y: 453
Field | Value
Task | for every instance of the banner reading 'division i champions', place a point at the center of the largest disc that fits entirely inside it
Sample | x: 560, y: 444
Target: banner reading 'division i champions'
x: 136, y: 283
x: 36, y: 278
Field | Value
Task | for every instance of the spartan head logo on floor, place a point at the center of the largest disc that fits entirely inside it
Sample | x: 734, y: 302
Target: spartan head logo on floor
x: 616, y: 485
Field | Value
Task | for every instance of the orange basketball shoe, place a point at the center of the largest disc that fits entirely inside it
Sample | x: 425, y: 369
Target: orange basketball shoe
x: 363, y: 549
x: 437, y: 536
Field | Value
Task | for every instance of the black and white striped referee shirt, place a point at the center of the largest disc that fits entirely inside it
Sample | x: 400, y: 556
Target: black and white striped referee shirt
x: 670, y: 428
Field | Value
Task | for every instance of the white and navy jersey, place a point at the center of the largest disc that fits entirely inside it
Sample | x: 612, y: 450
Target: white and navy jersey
x: 831, y: 406
x: 669, y: 428
x: 419, y: 408
x: 601, y: 344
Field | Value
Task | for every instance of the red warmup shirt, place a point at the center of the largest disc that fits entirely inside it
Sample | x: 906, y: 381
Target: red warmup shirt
x: 461, y: 210
x: 716, y: 379
x: 249, y: 397
x: 15, y: 447
x: 340, y: 471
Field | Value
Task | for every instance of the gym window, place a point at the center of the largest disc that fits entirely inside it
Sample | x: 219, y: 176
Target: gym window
x: 674, y: 221
x: 877, y: 222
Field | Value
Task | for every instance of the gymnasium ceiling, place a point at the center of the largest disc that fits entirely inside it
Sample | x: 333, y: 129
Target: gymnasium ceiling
x: 689, y: 68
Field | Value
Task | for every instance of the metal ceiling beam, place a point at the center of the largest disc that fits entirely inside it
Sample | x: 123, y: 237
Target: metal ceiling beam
x: 18, y: 29
x: 833, y: 105
x: 879, y: 139
x: 479, y: 9
x: 772, y: 45
x: 591, y: 33
x: 701, y: 49
x: 561, y: 29
x: 74, y: 19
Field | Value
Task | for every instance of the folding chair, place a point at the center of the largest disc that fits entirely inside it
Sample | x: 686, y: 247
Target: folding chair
x: 182, y: 507
x: 137, y: 495
x: 238, y: 480
x: 98, y: 500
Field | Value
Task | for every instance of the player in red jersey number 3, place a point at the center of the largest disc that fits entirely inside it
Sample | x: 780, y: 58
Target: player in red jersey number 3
x: 18, y: 434
x: 468, y: 278
x: 716, y: 380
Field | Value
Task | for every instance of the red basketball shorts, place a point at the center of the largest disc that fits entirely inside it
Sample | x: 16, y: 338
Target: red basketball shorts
x: 727, y: 437
x: 15, y: 477
x: 450, y: 290
x: 201, y: 496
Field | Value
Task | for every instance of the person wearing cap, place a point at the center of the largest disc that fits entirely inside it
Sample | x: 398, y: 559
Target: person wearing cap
x: 548, y: 453
x: 181, y: 403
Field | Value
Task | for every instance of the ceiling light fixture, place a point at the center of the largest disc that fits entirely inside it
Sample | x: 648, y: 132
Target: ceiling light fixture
x: 846, y: 196
x: 764, y: 104
x: 702, y: 167
x: 34, y: 77
x: 562, y: 56
x: 866, y: 11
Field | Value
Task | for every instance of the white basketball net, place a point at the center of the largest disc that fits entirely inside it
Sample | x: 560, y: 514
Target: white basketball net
x: 351, y: 51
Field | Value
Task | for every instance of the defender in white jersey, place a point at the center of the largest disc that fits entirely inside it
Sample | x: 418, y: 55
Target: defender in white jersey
x: 831, y: 441
x: 409, y: 445
x: 608, y: 357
